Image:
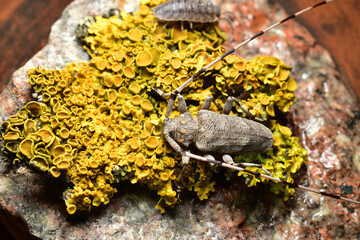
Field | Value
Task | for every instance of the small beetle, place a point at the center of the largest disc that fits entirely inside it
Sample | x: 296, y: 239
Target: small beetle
x: 213, y: 132
x: 216, y: 133
x: 220, y: 133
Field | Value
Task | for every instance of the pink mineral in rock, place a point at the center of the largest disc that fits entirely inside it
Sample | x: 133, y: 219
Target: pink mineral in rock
x: 325, y: 118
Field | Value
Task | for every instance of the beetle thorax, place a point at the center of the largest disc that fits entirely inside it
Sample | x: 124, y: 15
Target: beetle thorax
x: 182, y: 129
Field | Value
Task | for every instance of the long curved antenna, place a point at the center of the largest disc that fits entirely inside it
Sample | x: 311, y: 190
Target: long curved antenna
x: 229, y: 22
x: 179, y: 89
x: 257, y: 174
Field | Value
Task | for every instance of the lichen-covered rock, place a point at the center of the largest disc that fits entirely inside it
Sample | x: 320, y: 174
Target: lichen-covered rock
x: 101, y: 115
x: 232, y: 208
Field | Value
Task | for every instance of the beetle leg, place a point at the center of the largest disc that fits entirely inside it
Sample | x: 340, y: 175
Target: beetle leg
x: 171, y: 96
x: 164, y: 26
x: 173, y: 143
x: 182, y: 104
x: 210, y: 160
x: 207, y: 103
x: 291, y: 185
x: 185, y: 161
x: 253, y: 165
x: 208, y: 156
x: 184, y: 158
x: 228, y: 106
x: 229, y: 160
x: 160, y: 93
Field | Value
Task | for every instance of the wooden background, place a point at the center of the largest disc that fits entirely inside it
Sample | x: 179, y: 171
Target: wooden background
x: 24, y: 30
x: 25, y: 26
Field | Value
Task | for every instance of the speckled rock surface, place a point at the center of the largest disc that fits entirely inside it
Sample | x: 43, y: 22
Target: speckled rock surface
x: 325, y: 118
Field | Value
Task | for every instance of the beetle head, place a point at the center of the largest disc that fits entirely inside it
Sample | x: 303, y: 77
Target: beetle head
x: 181, y: 129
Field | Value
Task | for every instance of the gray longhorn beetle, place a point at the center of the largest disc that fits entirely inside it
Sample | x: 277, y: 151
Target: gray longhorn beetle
x: 211, y: 132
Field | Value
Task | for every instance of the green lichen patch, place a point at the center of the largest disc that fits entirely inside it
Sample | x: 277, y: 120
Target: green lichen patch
x: 98, y: 122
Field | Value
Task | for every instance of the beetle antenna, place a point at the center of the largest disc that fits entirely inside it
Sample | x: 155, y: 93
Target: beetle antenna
x: 179, y: 89
x: 225, y: 17
x: 257, y: 174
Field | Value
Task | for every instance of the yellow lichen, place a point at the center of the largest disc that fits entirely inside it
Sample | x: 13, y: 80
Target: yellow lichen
x: 34, y: 108
x: 118, y: 81
x: 58, y: 150
x: 146, y: 105
x: 134, y: 88
x: 46, y: 135
x: 71, y: 208
x: 151, y: 142
x: 30, y: 126
x: 176, y: 63
x: 63, y: 164
x: 144, y: 59
x: 11, y: 136
x: 128, y: 72
x: 26, y: 147
x: 40, y: 163
x: 135, y: 34
x: 54, y: 171
x: 63, y: 133
x: 99, y: 123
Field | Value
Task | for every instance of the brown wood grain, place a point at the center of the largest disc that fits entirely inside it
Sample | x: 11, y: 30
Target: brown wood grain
x: 24, y: 29
x: 336, y: 26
